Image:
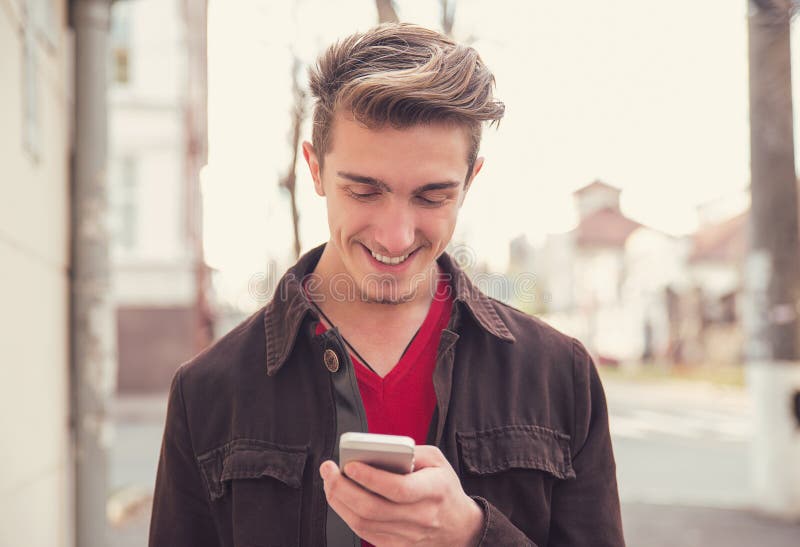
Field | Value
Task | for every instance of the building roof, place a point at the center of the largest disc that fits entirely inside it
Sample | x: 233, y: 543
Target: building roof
x: 597, y: 184
x: 604, y: 228
x: 724, y: 241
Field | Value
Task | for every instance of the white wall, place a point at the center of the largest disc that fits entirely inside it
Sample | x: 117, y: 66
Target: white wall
x: 35, y: 483
x: 653, y: 262
x: 605, y: 297
x: 716, y: 279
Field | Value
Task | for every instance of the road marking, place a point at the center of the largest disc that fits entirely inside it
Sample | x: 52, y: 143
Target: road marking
x: 645, y: 423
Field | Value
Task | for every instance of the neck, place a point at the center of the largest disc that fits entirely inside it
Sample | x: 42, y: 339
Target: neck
x: 332, y: 282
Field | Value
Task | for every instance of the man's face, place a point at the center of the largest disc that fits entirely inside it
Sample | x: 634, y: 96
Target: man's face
x: 393, y: 196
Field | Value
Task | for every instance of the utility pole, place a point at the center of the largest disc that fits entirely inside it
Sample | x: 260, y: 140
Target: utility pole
x: 92, y: 321
x: 772, y: 273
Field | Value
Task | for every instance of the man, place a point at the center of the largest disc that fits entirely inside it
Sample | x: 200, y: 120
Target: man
x: 379, y: 330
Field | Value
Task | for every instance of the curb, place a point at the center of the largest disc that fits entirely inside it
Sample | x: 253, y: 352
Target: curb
x: 127, y: 503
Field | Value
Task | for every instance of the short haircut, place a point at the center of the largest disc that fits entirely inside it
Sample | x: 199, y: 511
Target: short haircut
x: 403, y: 75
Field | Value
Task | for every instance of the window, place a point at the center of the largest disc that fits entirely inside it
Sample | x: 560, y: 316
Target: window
x: 120, y: 43
x: 124, y: 190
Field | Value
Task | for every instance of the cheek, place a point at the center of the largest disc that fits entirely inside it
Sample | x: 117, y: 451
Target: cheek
x: 345, y: 217
x: 439, y: 224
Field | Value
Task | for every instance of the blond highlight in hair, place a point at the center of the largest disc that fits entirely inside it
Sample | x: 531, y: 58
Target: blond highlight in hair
x: 402, y: 75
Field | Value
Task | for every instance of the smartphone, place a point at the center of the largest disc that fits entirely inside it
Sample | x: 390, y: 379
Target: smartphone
x: 393, y: 453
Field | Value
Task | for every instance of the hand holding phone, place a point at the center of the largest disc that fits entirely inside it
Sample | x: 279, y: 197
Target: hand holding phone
x: 393, y: 453
x: 365, y: 499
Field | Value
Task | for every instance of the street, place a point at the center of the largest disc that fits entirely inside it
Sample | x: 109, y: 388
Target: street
x: 680, y: 443
x: 682, y: 451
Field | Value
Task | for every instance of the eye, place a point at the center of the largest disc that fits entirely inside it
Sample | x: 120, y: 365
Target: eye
x: 432, y: 201
x: 363, y: 196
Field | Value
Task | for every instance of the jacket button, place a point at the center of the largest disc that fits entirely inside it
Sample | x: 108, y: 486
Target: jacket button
x: 331, y: 360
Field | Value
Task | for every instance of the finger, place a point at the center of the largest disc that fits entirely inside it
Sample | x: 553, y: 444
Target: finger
x: 391, y: 486
x: 374, y: 531
x: 426, y: 455
x: 364, y: 502
x: 401, y: 489
x: 355, y: 522
x: 329, y: 471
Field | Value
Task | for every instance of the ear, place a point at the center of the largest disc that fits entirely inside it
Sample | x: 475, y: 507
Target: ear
x: 475, y: 170
x: 313, y: 166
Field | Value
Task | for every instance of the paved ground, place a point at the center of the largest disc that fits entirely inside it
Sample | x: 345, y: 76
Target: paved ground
x: 668, y: 526
x: 681, y: 443
x: 132, y: 532
x: 681, y: 450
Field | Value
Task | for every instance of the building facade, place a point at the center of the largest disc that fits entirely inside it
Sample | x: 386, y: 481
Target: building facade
x: 607, y: 279
x: 158, y: 145
x: 35, y: 108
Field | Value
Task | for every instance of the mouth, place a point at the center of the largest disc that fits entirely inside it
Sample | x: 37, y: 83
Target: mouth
x: 393, y: 262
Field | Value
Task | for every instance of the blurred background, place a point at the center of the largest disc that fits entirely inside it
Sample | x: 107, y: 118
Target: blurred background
x: 640, y: 194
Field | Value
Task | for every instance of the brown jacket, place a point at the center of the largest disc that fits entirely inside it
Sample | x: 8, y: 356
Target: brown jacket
x: 520, y: 415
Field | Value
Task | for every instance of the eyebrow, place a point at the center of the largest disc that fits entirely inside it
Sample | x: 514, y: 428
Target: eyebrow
x: 379, y: 184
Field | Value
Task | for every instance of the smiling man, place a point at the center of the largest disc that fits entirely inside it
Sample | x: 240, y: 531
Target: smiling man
x: 379, y: 331
x: 393, y: 195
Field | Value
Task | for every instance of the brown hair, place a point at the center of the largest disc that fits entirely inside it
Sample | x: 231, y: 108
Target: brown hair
x: 403, y: 75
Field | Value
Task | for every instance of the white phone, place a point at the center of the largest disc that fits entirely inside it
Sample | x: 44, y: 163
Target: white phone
x: 393, y: 453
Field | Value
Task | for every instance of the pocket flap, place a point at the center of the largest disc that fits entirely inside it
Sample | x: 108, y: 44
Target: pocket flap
x: 516, y: 447
x: 252, y: 459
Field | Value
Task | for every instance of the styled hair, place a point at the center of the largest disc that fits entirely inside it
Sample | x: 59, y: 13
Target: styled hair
x: 402, y: 75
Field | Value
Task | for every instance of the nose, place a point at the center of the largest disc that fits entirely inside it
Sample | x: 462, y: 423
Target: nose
x: 395, y: 229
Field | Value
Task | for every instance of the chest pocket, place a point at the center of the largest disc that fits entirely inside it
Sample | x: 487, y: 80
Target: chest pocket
x: 257, y: 487
x: 515, y: 468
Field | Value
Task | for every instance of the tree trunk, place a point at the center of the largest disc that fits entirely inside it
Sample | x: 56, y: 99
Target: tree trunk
x: 775, y: 239
x: 289, y: 181
x: 448, y: 9
x: 386, y: 11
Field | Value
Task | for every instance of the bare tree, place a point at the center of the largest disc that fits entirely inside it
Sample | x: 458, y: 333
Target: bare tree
x: 775, y: 240
x: 386, y: 11
x: 448, y: 11
x: 289, y: 181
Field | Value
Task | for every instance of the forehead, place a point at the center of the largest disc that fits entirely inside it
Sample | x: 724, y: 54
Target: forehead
x: 434, y: 151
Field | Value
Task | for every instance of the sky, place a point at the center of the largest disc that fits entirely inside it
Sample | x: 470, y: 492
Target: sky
x: 646, y: 95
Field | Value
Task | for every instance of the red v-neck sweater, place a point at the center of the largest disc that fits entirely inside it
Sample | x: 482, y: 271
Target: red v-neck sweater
x: 402, y: 402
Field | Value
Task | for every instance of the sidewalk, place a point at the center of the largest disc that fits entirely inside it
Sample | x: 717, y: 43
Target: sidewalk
x: 132, y: 532
x: 139, y: 423
x: 666, y: 526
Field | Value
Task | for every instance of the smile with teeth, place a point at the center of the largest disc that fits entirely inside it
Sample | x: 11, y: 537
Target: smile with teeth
x: 393, y: 261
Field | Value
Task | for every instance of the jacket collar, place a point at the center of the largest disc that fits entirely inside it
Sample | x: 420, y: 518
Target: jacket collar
x: 284, y: 314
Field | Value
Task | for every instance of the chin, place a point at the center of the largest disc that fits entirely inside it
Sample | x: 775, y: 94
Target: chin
x: 387, y: 299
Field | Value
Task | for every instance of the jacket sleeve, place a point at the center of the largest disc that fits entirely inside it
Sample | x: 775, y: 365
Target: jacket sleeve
x: 497, y: 529
x: 181, y: 512
x: 586, y: 509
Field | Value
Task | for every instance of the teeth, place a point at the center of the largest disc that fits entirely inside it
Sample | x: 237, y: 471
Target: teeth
x: 388, y: 260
